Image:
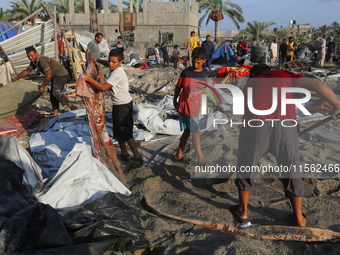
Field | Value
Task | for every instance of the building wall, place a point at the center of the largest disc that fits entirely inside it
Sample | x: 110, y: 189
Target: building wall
x: 179, y: 18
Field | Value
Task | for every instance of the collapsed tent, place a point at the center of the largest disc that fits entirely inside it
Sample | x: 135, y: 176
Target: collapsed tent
x: 112, y: 221
x: 4, y: 25
x: 307, y: 53
x: 223, y: 54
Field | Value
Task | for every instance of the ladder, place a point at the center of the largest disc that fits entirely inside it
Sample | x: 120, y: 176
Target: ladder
x: 65, y: 37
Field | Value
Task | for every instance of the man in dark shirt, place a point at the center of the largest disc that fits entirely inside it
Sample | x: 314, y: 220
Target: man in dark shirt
x: 210, y: 48
x: 54, y: 72
x: 165, y: 52
x: 120, y: 45
x: 283, y: 52
x: 331, y: 49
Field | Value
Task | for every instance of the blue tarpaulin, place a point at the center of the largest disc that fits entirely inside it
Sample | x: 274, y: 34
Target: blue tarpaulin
x: 224, y: 49
x: 4, y: 25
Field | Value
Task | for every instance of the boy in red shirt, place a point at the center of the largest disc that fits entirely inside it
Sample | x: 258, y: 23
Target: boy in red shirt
x: 281, y: 141
x: 188, y: 106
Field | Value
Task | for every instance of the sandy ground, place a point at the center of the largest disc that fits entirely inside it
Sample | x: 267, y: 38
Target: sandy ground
x: 162, y: 177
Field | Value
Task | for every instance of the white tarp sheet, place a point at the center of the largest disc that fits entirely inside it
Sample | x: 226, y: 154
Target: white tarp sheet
x: 81, y: 178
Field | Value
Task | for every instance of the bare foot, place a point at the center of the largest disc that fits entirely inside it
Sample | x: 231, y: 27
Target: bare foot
x: 300, y: 220
x: 240, y: 212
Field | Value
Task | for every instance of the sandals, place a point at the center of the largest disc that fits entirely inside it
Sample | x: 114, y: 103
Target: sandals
x: 134, y: 165
x: 125, y: 158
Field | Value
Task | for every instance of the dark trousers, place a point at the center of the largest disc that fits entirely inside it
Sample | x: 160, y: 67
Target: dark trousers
x: 175, y: 63
x: 166, y: 61
x: 56, y: 94
x: 207, y: 63
x: 282, y: 143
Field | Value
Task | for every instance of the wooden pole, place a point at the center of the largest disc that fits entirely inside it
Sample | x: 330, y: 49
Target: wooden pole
x: 320, y: 123
x: 55, y: 35
x: 51, y: 17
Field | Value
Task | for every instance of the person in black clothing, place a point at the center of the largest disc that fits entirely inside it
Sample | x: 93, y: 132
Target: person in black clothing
x: 166, y: 59
x: 283, y: 52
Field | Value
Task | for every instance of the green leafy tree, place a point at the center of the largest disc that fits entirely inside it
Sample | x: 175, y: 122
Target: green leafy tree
x: 323, y: 29
x: 23, y: 8
x: 62, y: 6
x: 79, y: 6
x: 257, y: 30
x: 3, y: 15
x: 113, y: 8
x: 134, y: 5
x: 228, y: 8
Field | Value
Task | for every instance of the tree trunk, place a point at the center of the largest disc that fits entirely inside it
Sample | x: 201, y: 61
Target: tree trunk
x: 216, y: 31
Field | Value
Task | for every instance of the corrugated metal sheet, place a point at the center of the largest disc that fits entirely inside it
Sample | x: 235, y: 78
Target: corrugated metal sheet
x: 20, y: 60
x: 33, y: 36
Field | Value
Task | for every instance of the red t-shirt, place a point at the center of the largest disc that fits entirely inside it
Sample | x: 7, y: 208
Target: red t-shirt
x: 263, y: 85
x: 190, y: 82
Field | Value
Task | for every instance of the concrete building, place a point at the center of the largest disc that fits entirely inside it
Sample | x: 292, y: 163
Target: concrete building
x: 223, y: 35
x: 295, y: 30
x: 159, y: 22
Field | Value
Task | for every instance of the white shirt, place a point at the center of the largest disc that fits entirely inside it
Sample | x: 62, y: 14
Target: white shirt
x: 120, y: 87
x: 273, y: 47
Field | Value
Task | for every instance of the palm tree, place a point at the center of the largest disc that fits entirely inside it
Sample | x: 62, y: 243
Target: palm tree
x: 257, y: 30
x: 3, y: 15
x: 23, y: 8
x: 230, y: 9
x: 62, y: 6
x: 113, y: 8
x: 134, y: 5
x: 335, y: 24
x: 79, y: 6
x: 323, y: 29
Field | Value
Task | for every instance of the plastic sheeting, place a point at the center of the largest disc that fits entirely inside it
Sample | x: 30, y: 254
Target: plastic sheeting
x: 4, y: 25
x: 80, y: 179
x: 155, y: 118
x: 112, y: 221
x: 224, y: 49
x: 6, y: 73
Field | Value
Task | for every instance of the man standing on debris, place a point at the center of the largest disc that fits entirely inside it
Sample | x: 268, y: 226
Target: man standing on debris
x: 268, y: 136
x: 244, y: 46
x: 120, y: 45
x: 54, y: 72
x: 193, y: 42
x: 273, y: 52
x: 156, y: 51
x: 331, y: 49
x: 322, y: 51
x: 210, y: 48
x: 165, y: 51
x: 93, y: 50
x: 283, y: 52
x: 290, y: 49
x: 118, y: 85
x: 188, y: 105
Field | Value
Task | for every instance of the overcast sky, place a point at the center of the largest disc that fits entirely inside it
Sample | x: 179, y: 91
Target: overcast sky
x: 314, y: 12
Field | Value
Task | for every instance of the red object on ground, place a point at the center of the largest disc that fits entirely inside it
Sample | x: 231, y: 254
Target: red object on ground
x: 143, y: 66
x: 17, y: 124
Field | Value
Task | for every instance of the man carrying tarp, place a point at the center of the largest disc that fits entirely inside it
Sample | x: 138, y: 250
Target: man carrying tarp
x: 54, y: 72
x: 266, y: 133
